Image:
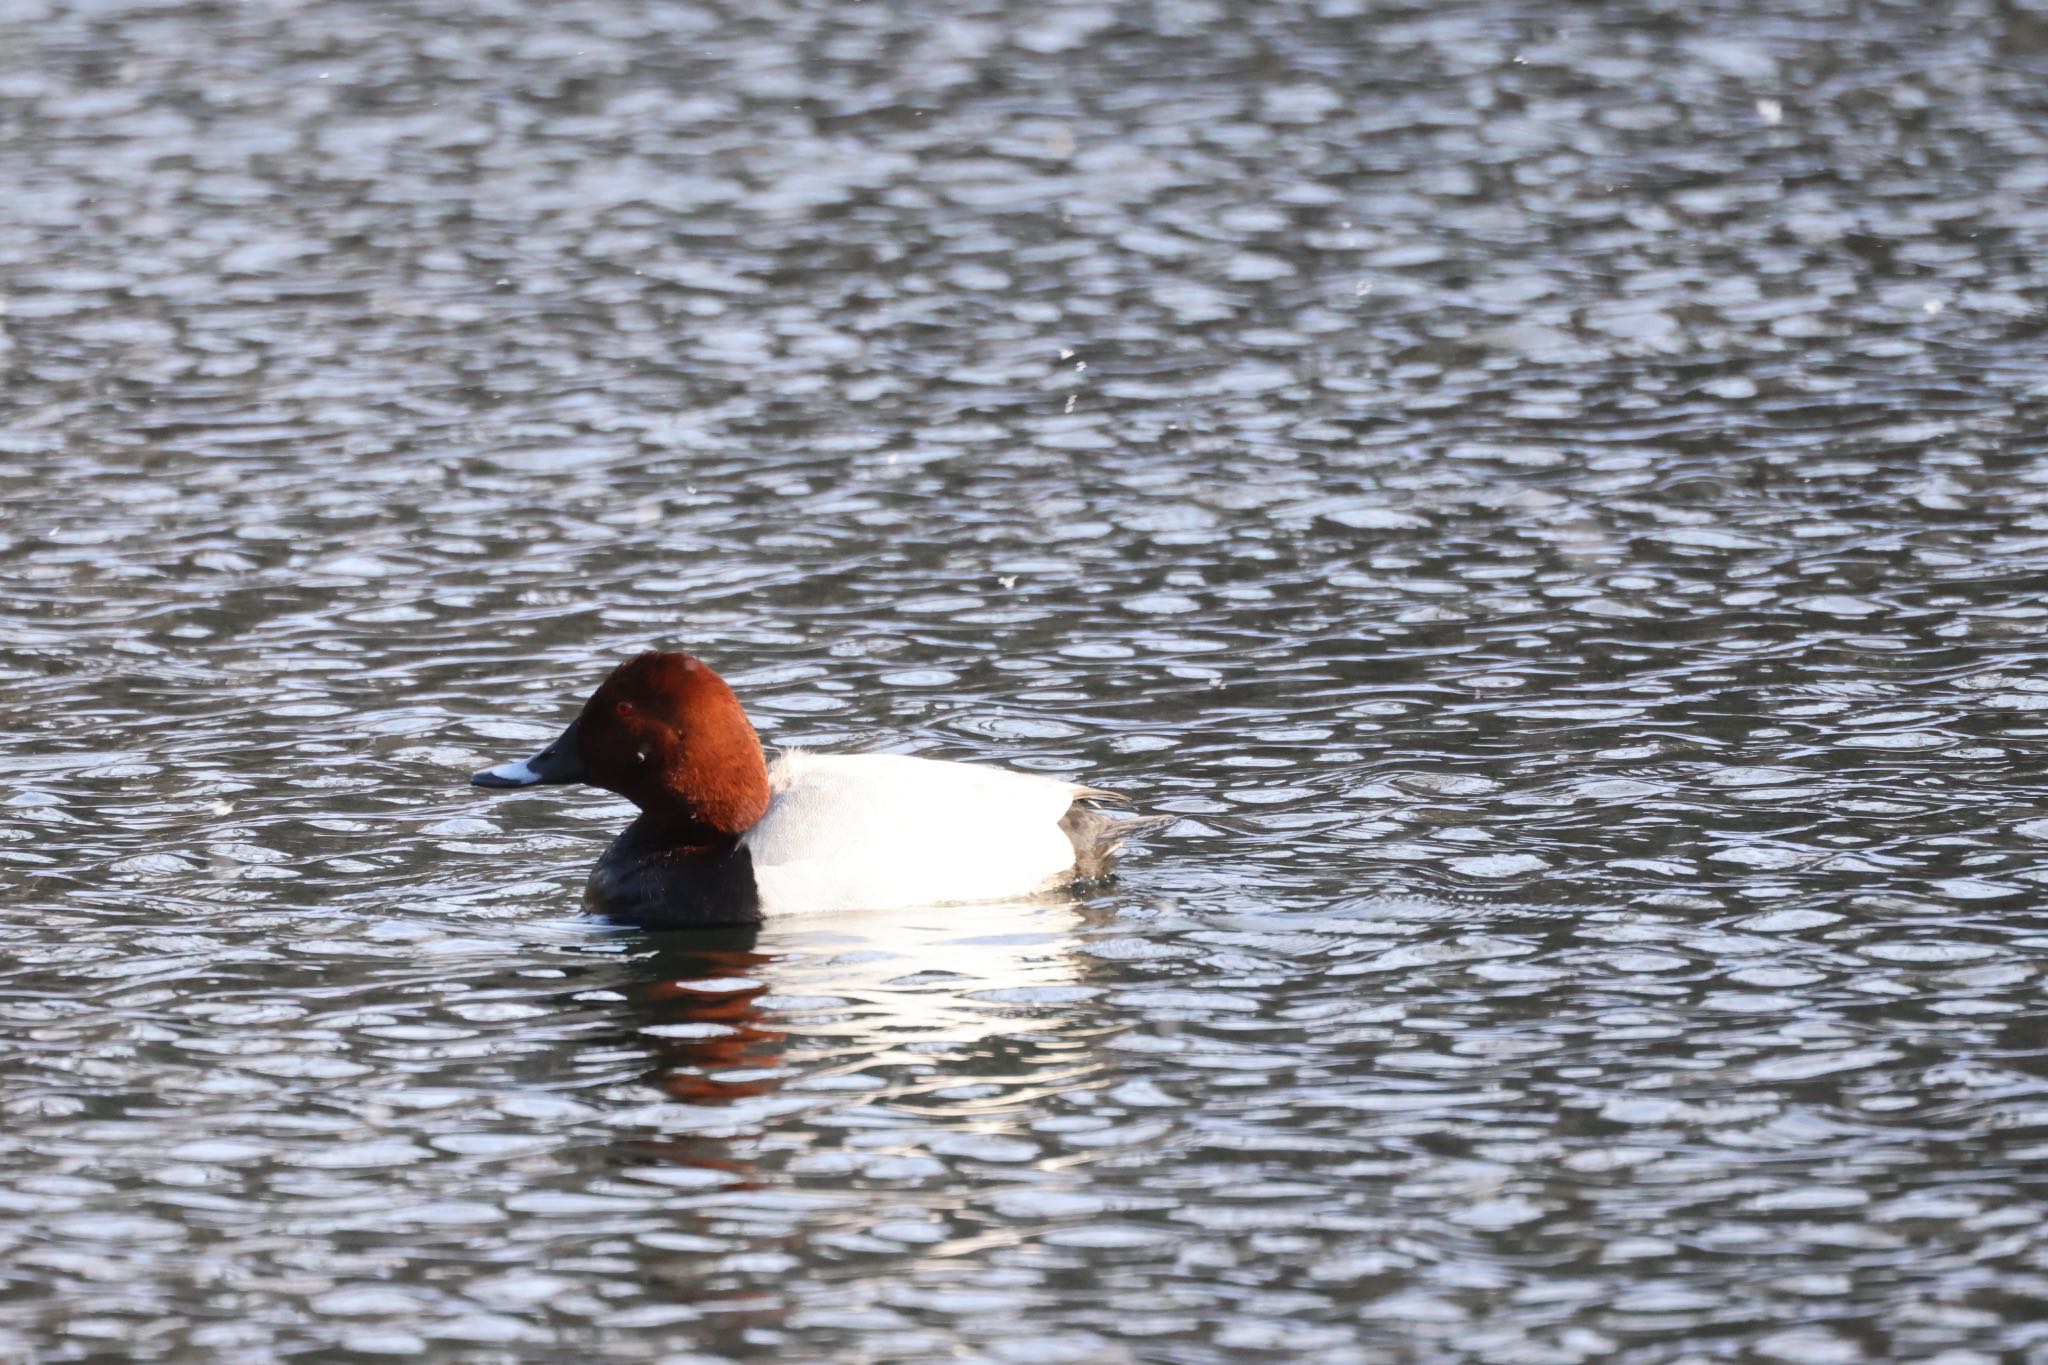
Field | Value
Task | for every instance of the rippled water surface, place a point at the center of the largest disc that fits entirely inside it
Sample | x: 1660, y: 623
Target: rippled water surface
x: 1554, y: 497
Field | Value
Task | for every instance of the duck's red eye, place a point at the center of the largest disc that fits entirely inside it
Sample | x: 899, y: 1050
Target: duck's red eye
x: 624, y: 708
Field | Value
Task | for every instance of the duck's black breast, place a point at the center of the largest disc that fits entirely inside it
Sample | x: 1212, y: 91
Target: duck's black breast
x: 643, y: 880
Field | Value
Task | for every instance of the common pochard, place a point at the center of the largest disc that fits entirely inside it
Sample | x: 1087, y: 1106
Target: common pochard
x: 726, y: 837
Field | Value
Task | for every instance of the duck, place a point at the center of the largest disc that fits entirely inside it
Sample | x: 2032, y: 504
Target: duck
x: 725, y: 837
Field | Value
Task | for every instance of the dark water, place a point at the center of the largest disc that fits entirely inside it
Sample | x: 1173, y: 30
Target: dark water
x: 1554, y: 497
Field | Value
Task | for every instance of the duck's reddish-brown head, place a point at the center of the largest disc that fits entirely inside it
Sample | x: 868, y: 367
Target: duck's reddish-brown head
x: 666, y: 733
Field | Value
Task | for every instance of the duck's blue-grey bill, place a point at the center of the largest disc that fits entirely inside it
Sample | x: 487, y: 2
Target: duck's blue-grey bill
x: 559, y: 762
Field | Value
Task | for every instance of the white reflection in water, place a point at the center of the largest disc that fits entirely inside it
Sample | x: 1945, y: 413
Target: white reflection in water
x: 825, y: 1010
x: 951, y: 974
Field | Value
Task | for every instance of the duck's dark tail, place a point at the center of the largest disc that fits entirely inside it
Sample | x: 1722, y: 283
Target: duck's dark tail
x: 1097, y: 835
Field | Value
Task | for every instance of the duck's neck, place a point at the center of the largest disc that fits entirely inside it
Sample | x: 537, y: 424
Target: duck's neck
x: 679, y: 830
x: 716, y: 789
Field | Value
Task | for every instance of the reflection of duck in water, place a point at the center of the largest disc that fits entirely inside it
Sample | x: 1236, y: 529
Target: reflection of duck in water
x: 767, y: 1025
x: 803, y: 1077
x: 952, y: 975
x: 703, y: 1019
x: 697, y: 1005
x: 725, y: 838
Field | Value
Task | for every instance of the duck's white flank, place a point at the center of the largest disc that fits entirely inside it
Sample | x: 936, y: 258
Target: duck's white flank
x: 860, y: 831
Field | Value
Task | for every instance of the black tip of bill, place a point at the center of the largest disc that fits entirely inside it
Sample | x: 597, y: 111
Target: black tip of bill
x: 559, y: 762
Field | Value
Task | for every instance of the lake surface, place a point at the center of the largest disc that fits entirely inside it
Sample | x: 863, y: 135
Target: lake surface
x: 1554, y: 499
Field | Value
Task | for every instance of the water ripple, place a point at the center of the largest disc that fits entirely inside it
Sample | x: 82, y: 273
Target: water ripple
x: 1556, y: 510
